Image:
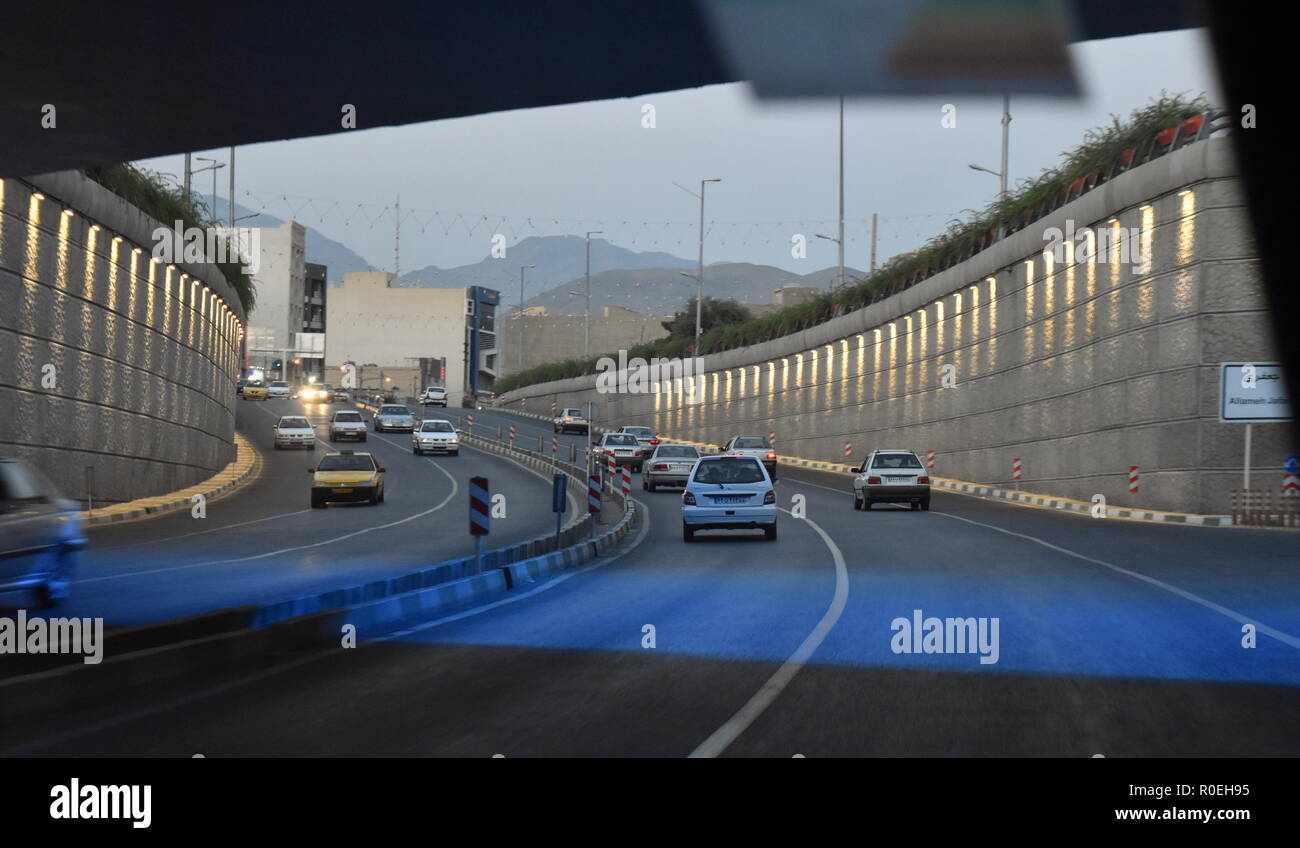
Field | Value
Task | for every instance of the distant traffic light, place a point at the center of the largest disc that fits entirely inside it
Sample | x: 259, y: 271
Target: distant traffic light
x: 277, y: 365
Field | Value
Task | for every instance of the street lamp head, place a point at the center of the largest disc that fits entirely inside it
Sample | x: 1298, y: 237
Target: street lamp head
x: 828, y: 238
x: 714, y: 180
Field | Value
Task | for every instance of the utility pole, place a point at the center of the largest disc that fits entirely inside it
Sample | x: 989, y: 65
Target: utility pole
x: 232, y: 191
x: 520, y: 317
x: 699, y: 297
x: 397, y: 241
x: 187, y: 178
x: 841, y: 238
x: 1006, y: 141
x: 587, y: 344
x: 873, y: 242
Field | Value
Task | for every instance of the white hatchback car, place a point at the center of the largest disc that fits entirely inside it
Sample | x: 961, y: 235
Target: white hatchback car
x: 435, y: 434
x: 347, y: 424
x: 728, y: 493
x: 278, y: 389
x: 294, y: 431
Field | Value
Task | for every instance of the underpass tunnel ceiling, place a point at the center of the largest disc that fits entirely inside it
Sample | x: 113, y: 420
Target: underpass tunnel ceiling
x: 156, y: 78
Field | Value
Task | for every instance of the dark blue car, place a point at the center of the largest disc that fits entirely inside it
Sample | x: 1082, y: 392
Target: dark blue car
x: 41, y: 536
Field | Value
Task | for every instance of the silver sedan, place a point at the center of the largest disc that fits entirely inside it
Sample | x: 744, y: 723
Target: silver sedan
x: 669, y: 465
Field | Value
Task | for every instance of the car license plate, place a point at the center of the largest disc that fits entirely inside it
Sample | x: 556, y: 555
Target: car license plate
x: 895, y: 479
x: 729, y: 500
x: 341, y: 491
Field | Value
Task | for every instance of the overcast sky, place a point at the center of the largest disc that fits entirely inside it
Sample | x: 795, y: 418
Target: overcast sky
x: 567, y: 169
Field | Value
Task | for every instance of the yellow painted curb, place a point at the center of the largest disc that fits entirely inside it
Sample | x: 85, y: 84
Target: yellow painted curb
x: 243, y: 470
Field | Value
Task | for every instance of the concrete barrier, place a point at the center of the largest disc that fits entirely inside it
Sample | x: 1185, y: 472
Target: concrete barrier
x: 314, y: 622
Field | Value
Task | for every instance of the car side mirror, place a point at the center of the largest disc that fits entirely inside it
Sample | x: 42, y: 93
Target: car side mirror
x: 311, y: 470
x: 382, y: 468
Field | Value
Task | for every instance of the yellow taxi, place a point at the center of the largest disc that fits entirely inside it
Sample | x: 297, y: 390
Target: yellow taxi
x: 255, y: 390
x: 346, y: 476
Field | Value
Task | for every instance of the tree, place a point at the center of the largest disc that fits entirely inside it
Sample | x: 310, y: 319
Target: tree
x: 715, y: 313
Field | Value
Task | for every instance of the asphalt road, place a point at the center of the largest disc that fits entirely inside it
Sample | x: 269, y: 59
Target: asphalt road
x: 264, y: 543
x: 1114, y: 638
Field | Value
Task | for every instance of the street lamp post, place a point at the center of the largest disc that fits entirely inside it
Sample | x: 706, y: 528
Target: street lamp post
x: 840, y: 242
x: 520, y: 317
x: 1006, y: 144
x: 213, y: 168
x: 587, y: 344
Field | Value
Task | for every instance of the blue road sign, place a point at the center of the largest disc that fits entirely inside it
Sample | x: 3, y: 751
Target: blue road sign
x: 1291, y: 465
x: 557, y: 493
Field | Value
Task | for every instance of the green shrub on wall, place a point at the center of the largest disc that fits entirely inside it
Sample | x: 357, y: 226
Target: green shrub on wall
x: 149, y: 192
x: 1112, y: 147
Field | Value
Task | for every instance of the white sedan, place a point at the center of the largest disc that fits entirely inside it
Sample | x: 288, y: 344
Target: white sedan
x: 278, y: 389
x: 728, y: 493
x: 435, y: 434
x: 294, y: 431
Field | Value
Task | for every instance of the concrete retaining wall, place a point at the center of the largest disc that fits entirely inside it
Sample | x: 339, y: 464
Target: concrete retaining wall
x: 1079, y: 368
x: 109, y: 360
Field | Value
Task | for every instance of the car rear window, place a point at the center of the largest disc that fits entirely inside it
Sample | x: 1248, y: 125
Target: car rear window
x: 437, y: 427
x: 347, y: 416
x: 730, y: 470
x: 751, y: 443
x: 294, y: 423
x: 895, y: 460
x: 346, y: 463
x: 573, y: 413
x: 678, y: 451
x: 394, y: 410
x: 621, y: 440
x: 639, y: 431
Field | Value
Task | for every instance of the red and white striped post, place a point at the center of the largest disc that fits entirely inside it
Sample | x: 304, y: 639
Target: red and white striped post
x: 469, y: 426
x: 613, y: 472
x: 555, y: 447
x: 848, y: 450
x: 929, y: 459
x: 480, y: 518
x: 1132, y: 479
x: 771, y: 439
x: 627, y: 480
x: 512, y: 435
x: 524, y: 404
x: 1015, y: 471
x: 1291, y: 486
x: 552, y: 407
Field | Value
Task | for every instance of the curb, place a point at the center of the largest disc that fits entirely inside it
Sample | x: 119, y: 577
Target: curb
x: 1009, y: 495
x: 243, y: 469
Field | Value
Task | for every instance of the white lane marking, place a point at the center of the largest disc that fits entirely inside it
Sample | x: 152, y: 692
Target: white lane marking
x: 455, y: 487
x: 200, y: 532
x: 737, y: 724
x: 1284, y: 638
x: 232, y: 685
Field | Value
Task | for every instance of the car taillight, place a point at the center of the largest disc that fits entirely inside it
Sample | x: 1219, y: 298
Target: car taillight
x: 654, y: 441
x: 609, y: 453
x: 770, y: 497
x: 661, y: 467
x: 636, y: 453
x: 925, y: 480
x: 871, y: 480
x: 688, y: 498
x: 771, y: 454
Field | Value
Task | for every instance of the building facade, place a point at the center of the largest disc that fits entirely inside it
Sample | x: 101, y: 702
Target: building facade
x: 278, y: 317
x: 404, y: 338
